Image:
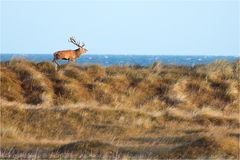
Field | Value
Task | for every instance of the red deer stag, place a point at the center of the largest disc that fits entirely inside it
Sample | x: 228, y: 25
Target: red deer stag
x: 70, y: 55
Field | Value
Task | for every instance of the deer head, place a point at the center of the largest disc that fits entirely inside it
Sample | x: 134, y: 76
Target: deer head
x: 78, y: 44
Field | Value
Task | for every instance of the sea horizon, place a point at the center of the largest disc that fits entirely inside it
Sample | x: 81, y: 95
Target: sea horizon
x: 129, y: 54
x: 126, y: 59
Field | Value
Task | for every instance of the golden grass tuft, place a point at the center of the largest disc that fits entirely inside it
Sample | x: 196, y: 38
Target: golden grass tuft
x: 219, y: 69
x: 37, y: 87
x: 10, y: 86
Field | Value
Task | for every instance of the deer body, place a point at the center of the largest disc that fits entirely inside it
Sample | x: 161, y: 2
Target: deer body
x: 70, y: 55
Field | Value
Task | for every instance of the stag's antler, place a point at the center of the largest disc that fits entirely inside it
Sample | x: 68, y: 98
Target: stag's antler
x: 72, y: 40
x: 83, y: 44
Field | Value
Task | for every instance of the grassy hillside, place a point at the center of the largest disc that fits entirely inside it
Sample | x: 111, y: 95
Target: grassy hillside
x: 159, y: 111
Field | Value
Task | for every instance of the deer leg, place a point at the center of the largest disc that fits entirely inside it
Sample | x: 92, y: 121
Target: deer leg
x: 71, y: 60
x: 56, y: 64
x: 56, y: 67
x: 55, y: 61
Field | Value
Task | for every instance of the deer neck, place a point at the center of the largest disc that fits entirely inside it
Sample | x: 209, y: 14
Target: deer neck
x: 78, y: 52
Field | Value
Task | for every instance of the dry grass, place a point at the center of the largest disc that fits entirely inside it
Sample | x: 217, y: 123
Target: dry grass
x: 123, y: 112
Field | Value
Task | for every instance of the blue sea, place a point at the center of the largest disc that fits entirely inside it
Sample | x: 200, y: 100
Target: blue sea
x: 143, y: 60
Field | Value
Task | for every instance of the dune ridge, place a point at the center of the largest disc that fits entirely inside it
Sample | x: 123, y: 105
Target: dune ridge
x: 90, y: 111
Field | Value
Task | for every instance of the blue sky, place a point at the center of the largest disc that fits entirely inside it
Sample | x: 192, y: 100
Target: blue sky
x: 164, y: 27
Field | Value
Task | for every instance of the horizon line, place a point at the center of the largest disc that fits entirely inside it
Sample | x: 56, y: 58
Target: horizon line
x: 132, y: 54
